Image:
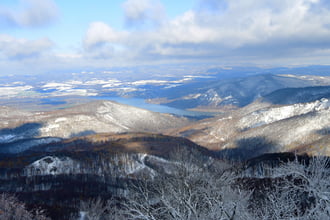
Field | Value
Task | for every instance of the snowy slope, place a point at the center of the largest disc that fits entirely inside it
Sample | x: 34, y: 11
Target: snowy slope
x: 261, y: 127
x: 119, y: 165
x: 96, y: 117
x: 238, y: 91
x: 106, y: 116
x: 273, y: 114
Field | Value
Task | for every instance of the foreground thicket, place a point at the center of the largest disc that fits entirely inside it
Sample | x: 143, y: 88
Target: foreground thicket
x: 12, y: 209
x: 292, y: 190
x: 302, y: 191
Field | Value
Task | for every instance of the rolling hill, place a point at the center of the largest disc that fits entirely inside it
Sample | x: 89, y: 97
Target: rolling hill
x: 20, y: 131
x: 302, y: 125
x: 235, y: 92
x: 57, y: 176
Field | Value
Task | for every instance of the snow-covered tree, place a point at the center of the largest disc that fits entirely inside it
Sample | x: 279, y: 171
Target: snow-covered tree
x: 302, y: 191
x: 12, y: 209
x: 298, y: 189
x: 191, y: 193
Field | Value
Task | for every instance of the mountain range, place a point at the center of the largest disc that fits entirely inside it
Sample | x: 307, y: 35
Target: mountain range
x: 235, y: 92
x: 85, y: 148
x: 285, y: 120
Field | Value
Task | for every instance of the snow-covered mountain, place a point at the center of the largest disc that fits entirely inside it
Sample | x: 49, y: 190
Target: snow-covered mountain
x: 96, y: 165
x: 20, y: 132
x: 106, y: 116
x: 55, y: 158
x: 263, y: 127
x: 273, y: 114
x: 118, y: 155
x: 236, y: 92
x: 129, y: 155
x: 297, y: 95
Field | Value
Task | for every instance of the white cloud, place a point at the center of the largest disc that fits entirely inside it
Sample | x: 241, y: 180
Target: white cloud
x: 247, y: 27
x: 17, y: 49
x: 101, y: 41
x: 242, y: 27
x: 141, y: 12
x: 232, y: 32
x: 185, y: 29
x: 14, y: 91
x: 30, y: 13
x: 99, y: 33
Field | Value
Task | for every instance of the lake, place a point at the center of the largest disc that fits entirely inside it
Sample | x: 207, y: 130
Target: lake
x: 53, y: 103
x: 140, y: 103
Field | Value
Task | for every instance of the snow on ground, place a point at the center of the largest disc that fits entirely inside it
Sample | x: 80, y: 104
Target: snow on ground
x: 212, y: 97
x: 192, y: 96
x: 51, y: 165
x: 58, y: 86
x: 273, y: 114
x: 75, y: 92
x: 150, y: 82
x: 7, y: 138
x: 306, y: 129
x: 13, y: 91
x: 122, y: 165
x: 65, y: 127
x: 138, y: 165
x: 122, y: 115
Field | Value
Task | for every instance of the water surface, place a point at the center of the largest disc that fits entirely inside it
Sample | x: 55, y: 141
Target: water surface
x: 140, y: 103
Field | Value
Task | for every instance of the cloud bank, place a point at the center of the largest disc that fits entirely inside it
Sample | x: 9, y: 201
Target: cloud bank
x: 143, y: 12
x: 266, y: 32
x: 241, y: 29
x: 29, y: 13
x: 20, y: 49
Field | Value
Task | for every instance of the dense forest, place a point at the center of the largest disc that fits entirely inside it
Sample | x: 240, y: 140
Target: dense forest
x: 272, y: 186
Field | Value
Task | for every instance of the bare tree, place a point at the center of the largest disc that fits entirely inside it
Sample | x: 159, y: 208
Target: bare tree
x: 303, y: 191
x: 12, y: 209
x: 93, y: 209
x: 191, y: 193
x: 98, y: 209
x: 297, y: 190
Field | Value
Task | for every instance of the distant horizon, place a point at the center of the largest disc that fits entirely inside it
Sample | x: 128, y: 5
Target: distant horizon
x: 161, y: 68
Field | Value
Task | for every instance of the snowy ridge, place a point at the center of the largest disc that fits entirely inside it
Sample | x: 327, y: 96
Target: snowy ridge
x: 6, y: 138
x: 128, y: 118
x: 91, y: 118
x: 273, y: 114
x: 138, y: 166
x: 106, y: 116
x: 66, y: 127
x: 122, y: 165
x: 211, y: 97
x: 304, y: 130
x: 50, y: 165
x: 262, y: 127
x: 290, y: 96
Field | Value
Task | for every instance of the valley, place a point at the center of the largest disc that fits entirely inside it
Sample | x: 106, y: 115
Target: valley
x: 165, y: 110
x: 298, y: 122
x: 74, y: 148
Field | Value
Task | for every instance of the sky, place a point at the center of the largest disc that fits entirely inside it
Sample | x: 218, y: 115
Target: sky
x: 41, y: 36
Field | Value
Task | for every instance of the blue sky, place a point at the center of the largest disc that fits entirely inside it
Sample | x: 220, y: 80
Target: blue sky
x: 47, y: 35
